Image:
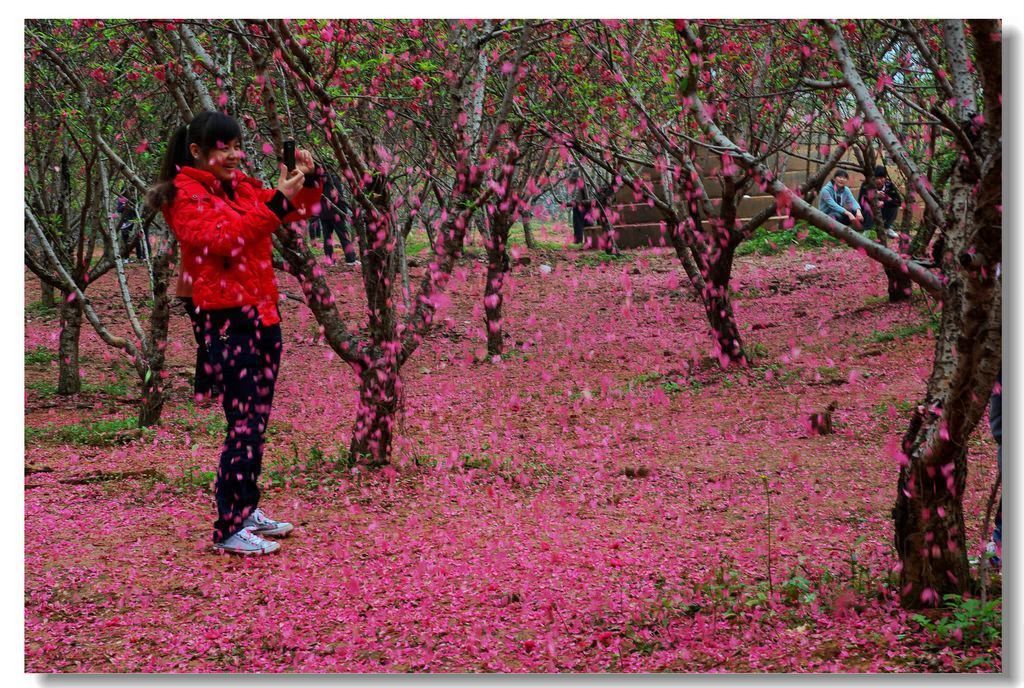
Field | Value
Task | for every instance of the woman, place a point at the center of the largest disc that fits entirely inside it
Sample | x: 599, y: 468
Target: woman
x: 223, y: 220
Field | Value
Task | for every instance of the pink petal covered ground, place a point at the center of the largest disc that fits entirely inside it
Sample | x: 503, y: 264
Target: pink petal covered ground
x: 596, y: 500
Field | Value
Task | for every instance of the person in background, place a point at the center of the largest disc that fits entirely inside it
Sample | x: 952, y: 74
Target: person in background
x: 837, y: 201
x: 333, y: 210
x: 883, y: 195
x: 580, y: 206
x: 126, y: 224
x: 995, y: 422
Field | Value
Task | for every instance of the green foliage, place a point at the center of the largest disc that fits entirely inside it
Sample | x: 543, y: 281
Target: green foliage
x: 516, y: 237
x: 746, y: 293
x: 40, y: 356
x: 901, y: 405
x: 416, y: 243
x: 212, y: 424
x: 515, y: 352
x: 829, y: 373
x: 755, y: 350
x: 47, y: 389
x: 38, y: 309
x: 876, y: 300
x: 780, y: 374
x: 314, y: 469
x: 193, y: 477
x: 596, y: 258
x: 668, y: 385
x: 901, y: 332
x: 802, y: 236
x: 967, y: 622
x: 99, y: 433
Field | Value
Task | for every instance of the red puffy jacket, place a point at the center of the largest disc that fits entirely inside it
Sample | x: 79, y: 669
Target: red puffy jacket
x: 225, y: 243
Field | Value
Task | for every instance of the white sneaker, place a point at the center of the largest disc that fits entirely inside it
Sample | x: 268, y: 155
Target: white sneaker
x: 353, y: 264
x: 891, y: 233
x: 262, y: 525
x: 247, y: 542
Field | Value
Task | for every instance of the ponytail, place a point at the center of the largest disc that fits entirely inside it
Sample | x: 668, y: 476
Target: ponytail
x: 177, y: 156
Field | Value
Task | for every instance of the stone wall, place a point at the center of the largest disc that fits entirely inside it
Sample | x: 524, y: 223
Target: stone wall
x: 638, y: 224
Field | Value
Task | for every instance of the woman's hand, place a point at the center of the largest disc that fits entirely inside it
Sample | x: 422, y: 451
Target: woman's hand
x: 289, y: 184
x: 304, y: 161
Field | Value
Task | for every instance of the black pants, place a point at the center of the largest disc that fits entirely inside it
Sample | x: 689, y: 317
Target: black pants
x: 579, y: 223
x: 204, y: 385
x: 245, y: 357
x: 889, y: 216
x: 329, y: 230
x: 995, y: 421
x: 126, y: 233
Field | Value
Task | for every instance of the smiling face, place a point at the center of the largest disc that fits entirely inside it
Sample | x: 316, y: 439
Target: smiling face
x: 840, y: 182
x: 221, y: 161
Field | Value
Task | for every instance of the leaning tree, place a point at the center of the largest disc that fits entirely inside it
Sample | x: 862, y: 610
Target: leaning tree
x: 929, y: 521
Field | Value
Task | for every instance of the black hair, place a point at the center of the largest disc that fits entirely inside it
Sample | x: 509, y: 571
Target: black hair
x: 881, y: 172
x: 206, y: 130
x: 841, y: 173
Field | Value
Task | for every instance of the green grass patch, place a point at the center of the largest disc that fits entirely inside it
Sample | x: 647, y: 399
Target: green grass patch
x: 47, y: 389
x: 38, y: 309
x: 747, y: 293
x: 416, y: 243
x: 597, y: 258
x: 876, y: 300
x: 902, y: 406
x: 779, y: 373
x: 313, y: 468
x: 193, y: 477
x: 516, y: 237
x: 40, y: 356
x: 99, y: 433
x: 514, y: 352
x: 212, y: 424
x: 901, y: 332
x: 669, y: 386
x: 829, y: 373
x: 755, y: 350
x: 801, y: 236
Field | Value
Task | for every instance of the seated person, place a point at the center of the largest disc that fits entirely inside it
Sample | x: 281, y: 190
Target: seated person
x: 881, y: 192
x: 837, y: 201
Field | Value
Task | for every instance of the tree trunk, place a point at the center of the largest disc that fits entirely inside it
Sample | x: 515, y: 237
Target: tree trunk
x: 713, y: 291
x: 718, y: 307
x: 152, y: 403
x: 717, y: 251
x: 497, y: 265
x: 928, y: 515
x: 154, y: 392
x: 379, y: 388
x: 48, y: 295
x: 924, y: 234
x: 379, y: 375
x: 899, y: 283
x: 531, y: 243
x: 69, y: 380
